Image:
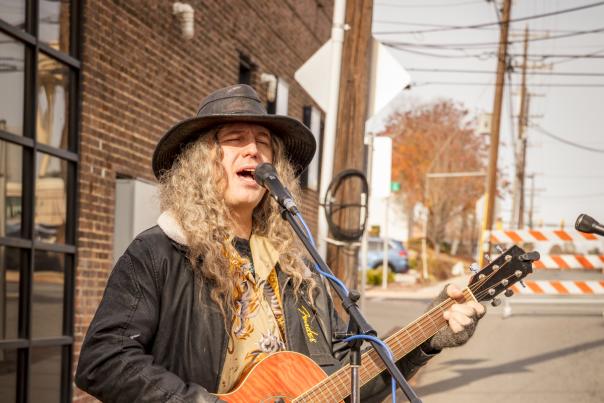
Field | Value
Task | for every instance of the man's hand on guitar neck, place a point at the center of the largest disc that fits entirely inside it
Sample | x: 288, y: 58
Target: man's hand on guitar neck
x: 461, y: 318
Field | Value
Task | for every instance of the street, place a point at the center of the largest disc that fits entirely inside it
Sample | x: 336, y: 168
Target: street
x: 542, y: 353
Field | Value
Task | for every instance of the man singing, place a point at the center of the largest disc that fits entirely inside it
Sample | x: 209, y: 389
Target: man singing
x: 221, y: 282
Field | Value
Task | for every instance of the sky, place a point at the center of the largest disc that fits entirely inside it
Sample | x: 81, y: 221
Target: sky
x: 568, y: 180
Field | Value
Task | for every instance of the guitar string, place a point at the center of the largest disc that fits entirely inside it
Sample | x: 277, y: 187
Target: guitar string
x: 412, y: 335
x: 366, y: 376
x: 345, y: 370
x: 449, y: 302
x: 445, y: 305
x: 472, y: 288
x: 396, y: 349
x: 340, y: 380
x: 342, y: 373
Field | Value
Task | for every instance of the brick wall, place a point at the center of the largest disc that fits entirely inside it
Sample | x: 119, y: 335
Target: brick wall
x: 140, y: 77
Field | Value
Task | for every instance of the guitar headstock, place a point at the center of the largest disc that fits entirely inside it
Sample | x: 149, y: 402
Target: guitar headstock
x: 501, y: 273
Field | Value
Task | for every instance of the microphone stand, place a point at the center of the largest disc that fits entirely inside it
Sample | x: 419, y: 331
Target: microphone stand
x: 357, y: 323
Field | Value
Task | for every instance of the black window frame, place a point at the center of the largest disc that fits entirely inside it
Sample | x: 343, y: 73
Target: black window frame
x: 246, y: 70
x: 26, y: 243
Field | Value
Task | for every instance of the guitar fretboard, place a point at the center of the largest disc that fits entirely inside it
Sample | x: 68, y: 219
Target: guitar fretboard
x: 336, y: 387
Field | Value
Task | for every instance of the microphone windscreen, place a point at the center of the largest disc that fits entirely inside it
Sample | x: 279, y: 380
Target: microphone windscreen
x: 263, y: 171
x: 585, y: 223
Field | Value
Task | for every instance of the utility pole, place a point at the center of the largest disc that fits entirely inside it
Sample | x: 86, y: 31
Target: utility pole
x: 350, y: 139
x: 531, y: 208
x: 496, y: 118
x: 521, y: 175
x: 518, y: 202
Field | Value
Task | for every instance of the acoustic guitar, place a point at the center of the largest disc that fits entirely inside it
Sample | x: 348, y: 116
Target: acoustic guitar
x: 293, y: 377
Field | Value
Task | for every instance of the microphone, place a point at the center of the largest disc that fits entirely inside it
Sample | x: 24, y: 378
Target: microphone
x: 587, y: 224
x: 266, y: 176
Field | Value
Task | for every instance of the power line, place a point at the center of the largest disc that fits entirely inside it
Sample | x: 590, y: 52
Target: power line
x: 569, y: 58
x: 422, y: 5
x: 490, y: 54
x: 570, y: 143
x: 594, y: 55
x: 422, y: 53
x: 420, y: 24
x: 533, y: 73
x: 490, y: 44
x: 570, y: 85
x: 582, y: 176
x: 583, y: 196
x: 487, y: 24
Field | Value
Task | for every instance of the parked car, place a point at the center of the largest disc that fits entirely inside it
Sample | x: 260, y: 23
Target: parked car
x: 397, y: 255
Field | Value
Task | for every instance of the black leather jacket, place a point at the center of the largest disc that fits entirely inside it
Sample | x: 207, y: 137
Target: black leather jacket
x: 153, y: 339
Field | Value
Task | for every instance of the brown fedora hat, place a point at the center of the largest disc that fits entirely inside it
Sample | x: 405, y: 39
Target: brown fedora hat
x: 235, y: 104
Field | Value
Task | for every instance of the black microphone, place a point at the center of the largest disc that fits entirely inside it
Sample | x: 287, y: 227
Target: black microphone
x: 266, y: 176
x: 587, y: 224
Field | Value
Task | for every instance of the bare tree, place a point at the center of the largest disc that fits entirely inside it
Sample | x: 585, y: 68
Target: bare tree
x: 437, y: 137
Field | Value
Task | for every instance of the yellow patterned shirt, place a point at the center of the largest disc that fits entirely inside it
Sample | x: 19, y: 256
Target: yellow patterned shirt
x: 258, y: 325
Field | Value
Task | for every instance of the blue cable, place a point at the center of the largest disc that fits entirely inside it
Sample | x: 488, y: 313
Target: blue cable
x: 386, y: 348
x: 343, y: 287
x: 312, y: 241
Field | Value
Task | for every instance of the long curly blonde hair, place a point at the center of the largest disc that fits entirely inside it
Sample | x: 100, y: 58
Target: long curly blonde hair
x: 193, y: 192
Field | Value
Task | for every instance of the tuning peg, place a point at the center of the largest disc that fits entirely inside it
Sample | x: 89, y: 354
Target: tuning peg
x: 491, y: 291
x: 499, y: 249
x: 522, y: 284
x: 509, y: 292
x: 487, y: 258
x: 529, y: 257
x: 474, y: 268
x: 496, y: 301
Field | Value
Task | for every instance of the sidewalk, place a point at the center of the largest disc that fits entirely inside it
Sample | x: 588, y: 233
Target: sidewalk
x: 414, y: 291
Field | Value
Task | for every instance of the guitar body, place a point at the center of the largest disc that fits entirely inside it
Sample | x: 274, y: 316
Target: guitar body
x: 283, y: 375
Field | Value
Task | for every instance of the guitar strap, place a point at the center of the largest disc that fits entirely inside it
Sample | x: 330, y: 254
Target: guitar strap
x: 315, y: 337
x: 307, y: 333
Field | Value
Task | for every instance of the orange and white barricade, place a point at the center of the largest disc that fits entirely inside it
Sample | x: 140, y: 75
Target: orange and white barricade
x: 558, y: 278
x: 570, y: 262
x: 560, y: 287
x: 526, y: 235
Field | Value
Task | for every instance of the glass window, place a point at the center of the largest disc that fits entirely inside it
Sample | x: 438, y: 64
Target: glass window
x: 8, y: 375
x: 47, y: 294
x: 13, y: 12
x: 10, y: 189
x: 53, y: 102
x: 53, y: 26
x: 12, y: 56
x: 36, y: 94
x: 10, y: 259
x: 51, y: 199
x: 45, y: 382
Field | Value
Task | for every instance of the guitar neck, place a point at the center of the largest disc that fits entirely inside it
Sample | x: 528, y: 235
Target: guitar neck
x: 337, y: 386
